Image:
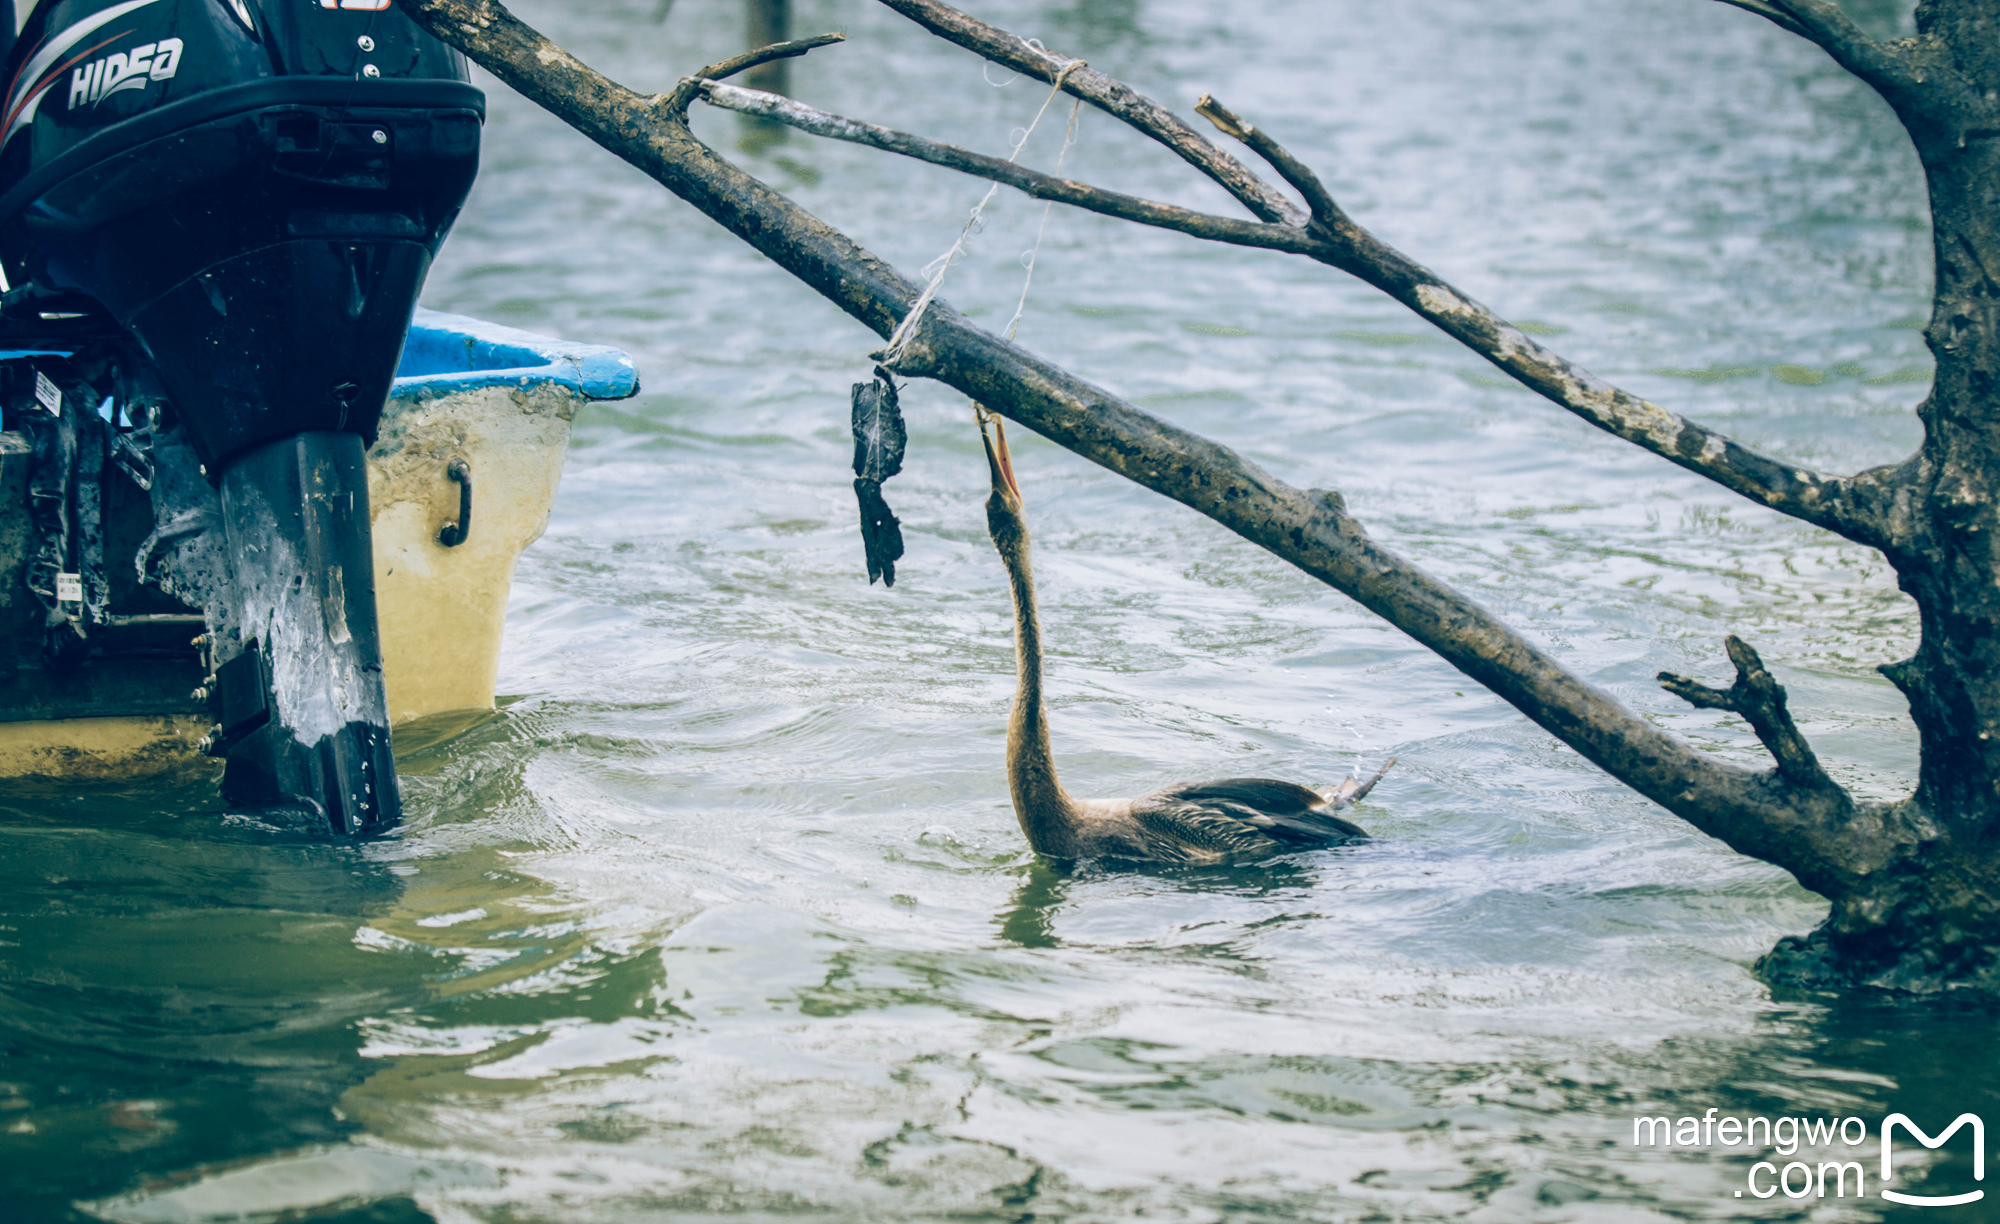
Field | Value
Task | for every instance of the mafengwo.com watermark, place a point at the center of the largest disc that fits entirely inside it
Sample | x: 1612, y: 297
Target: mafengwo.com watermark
x: 1872, y: 1171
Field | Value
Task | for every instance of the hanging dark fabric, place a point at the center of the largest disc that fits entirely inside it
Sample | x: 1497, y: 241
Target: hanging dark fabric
x: 879, y: 439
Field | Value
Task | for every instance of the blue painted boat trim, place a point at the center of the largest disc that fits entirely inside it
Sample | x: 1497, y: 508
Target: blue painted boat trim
x: 448, y: 353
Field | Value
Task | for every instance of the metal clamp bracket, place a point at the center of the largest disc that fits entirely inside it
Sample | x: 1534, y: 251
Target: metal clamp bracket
x: 451, y: 535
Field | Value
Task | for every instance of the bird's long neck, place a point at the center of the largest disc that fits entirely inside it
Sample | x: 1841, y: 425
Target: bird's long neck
x: 1046, y: 811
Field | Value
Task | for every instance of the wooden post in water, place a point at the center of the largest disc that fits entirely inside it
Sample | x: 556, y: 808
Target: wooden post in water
x: 770, y: 21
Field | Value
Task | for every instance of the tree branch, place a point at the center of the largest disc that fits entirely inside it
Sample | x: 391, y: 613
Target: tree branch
x: 1924, y: 87
x: 1310, y: 528
x: 1111, y: 96
x: 683, y: 92
x: 1824, y: 23
x: 764, y: 55
x: 998, y: 169
x: 1760, y: 699
x: 1854, y: 507
x: 1773, y: 14
x: 1289, y: 168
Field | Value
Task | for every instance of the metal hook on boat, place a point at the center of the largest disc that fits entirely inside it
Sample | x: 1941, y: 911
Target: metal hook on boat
x: 452, y: 534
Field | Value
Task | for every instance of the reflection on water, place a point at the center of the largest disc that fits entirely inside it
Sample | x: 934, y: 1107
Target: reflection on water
x: 724, y: 915
x: 1029, y: 921
x: 176, y: 989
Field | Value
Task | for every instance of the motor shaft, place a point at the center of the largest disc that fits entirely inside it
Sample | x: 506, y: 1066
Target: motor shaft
x: 295, y: 517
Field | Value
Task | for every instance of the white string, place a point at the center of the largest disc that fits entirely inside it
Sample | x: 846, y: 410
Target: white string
x: 1069, y: 142
x: 899, y: 340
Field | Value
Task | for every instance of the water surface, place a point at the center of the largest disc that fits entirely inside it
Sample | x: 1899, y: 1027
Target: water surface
x: 724, y: 915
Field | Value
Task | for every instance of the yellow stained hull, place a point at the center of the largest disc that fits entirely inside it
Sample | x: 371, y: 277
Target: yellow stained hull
x: 441, y: 609
x: 105, y: 749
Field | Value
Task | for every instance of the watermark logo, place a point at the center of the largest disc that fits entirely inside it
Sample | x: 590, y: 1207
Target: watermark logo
x: 1917, y: 1132
x: 1803, y: 1179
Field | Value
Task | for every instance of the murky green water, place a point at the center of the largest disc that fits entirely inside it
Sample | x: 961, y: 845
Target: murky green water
x: 725, y: 916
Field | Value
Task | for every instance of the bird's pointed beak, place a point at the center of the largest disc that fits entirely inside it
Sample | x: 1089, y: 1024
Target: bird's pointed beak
x: 994, y: 435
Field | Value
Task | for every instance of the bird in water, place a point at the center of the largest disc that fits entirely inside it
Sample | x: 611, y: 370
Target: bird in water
x: 1219, y: 821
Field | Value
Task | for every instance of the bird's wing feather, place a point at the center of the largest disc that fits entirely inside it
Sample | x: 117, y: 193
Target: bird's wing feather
x: 1315, y: 828
x: 1287, y: 811
x: 1262, y: 794
x: 1243, y: 816
x: 1187, y: 832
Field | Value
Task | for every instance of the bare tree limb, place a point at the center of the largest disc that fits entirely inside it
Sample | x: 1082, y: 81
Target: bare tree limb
x: 1109, y: 95
x: 998, y: 169
x: 764, y: 55
x: 683, y: 92
x: 1289, y: 168
x: 1916, y: 77
x: 1773, y: 14
x: 1854, y: 507
x: 1790, y: 826
x: 1824, y: 23
x: 1760, y: 699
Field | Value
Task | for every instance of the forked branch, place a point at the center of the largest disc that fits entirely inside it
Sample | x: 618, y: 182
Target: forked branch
x: 1760, y: 699
x: 1113, y: 97
x: 1289, y: 168
x: 683, y: 93
x: 1034, y: 183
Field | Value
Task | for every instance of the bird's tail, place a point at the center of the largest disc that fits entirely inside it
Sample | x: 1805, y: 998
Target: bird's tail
x: 1353, y: 790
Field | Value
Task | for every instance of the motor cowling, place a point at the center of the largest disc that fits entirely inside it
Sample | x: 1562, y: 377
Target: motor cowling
x: 247, y: 196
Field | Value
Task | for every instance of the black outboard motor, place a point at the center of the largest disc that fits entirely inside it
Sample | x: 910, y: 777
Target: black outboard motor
x: 224, y: 211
